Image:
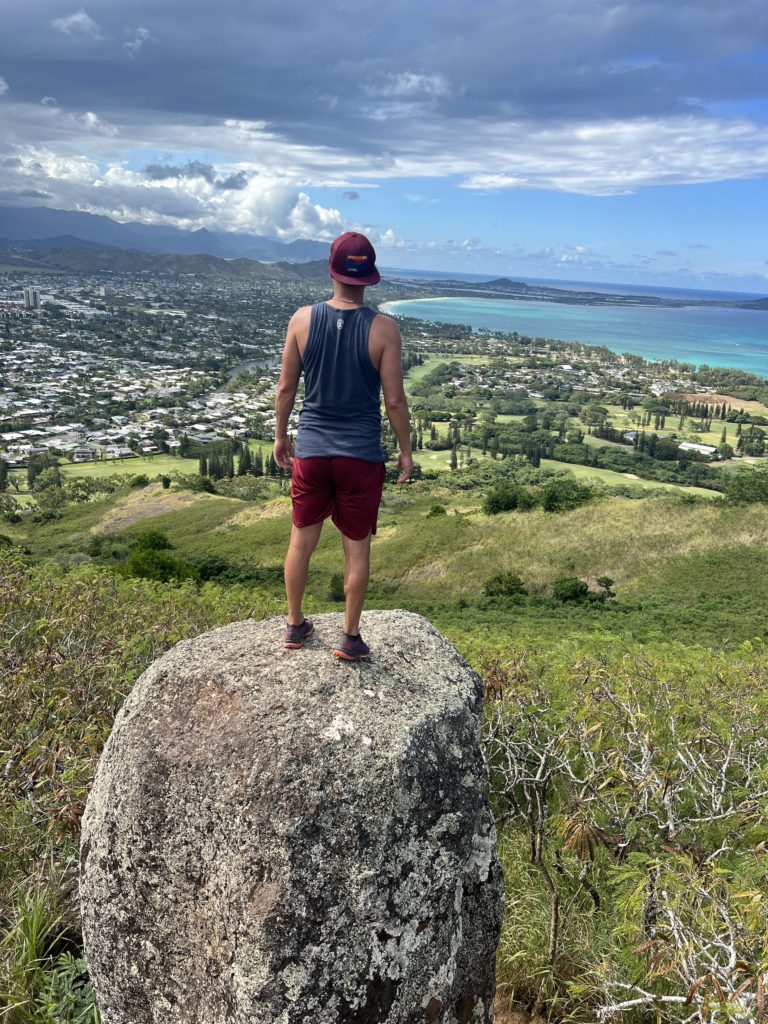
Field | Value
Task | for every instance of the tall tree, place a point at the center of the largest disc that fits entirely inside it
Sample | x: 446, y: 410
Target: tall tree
x: 244, y: 462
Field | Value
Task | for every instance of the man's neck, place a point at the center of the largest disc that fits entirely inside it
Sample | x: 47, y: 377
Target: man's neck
x: 348, y: 295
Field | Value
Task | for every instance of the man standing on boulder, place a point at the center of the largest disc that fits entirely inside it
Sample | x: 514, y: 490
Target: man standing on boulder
x: 348, y: 354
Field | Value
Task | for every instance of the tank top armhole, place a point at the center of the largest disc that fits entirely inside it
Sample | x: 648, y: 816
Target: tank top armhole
x: 374, y: 367
x: 310, y: 334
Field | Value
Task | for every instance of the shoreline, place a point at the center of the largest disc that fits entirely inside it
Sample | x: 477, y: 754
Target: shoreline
x: 633, y: 345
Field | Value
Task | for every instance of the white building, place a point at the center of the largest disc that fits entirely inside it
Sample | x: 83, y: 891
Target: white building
x: 31, y: 298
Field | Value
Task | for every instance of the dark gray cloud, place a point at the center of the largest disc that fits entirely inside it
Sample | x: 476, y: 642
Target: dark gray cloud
x: 233, y: 182
x: 13, y: 195
x: 191, y: 169
x: 350, y: 194
x: 284, y: 63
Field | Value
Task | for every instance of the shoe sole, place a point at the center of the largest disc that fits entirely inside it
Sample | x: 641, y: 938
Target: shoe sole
x: 348, y: 657
x: 296, y: 645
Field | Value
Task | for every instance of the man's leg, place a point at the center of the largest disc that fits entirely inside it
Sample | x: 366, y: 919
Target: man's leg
x: 303, y: 542
x: 357, y: 569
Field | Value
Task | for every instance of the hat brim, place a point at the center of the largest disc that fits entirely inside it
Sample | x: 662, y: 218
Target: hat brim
x: 372, y: 278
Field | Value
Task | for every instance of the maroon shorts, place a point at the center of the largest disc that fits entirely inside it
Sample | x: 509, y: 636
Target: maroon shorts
x: 348, y: 490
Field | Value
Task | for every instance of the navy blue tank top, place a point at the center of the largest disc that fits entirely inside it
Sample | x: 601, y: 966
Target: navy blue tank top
x: 341, y: 414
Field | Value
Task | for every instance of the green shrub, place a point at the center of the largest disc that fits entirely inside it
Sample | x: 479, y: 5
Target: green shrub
x: 504, y: 584
x: 66, y: 995
x: 140, y: 480
x: 196, y: 482
x: 212, y: 567
x: 46, y: 515
x: 569, y: 588
x: 748, y: 486
x: 436, y: 510
x: 506, y: 496
x: 564, y: 492
x: 336, y: 587
x: 152, y: 540
x: 151, y: 564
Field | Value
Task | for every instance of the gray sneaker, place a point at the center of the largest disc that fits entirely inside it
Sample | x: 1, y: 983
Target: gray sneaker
x: 296, y: 635
x: 351, y: 648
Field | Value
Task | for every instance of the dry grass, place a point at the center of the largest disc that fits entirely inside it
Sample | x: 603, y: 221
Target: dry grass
x: 275, y: 509
x: 625, y: 539
x: 145, y: 503
x: 734, y: 403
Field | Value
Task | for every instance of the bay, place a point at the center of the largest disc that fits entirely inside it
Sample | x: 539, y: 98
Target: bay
x: 717, y: 336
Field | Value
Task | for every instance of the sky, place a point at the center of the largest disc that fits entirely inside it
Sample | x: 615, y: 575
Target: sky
x: 587, y: 140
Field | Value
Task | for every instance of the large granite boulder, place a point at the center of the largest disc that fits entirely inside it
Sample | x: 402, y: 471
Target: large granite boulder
x: 277, y: 837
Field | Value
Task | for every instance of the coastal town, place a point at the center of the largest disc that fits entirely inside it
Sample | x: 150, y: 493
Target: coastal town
x: 124, y: 367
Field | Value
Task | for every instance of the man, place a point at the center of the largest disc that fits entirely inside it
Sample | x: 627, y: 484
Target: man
x: 348, y: 355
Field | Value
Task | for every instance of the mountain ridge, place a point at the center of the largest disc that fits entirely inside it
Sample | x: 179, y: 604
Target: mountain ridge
x: 37, y: 223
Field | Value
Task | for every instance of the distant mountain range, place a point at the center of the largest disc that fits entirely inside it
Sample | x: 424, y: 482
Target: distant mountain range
x: 68, y: 228
x: 89, y: 258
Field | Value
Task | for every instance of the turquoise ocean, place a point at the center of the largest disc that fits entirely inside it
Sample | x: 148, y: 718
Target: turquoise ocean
x: 718, y: 336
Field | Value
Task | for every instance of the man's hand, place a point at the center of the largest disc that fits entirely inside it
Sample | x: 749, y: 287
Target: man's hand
x: 405, y: 465
x: 284, y: 452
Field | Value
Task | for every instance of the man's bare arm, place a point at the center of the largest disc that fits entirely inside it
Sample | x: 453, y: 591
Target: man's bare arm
x: 395, y: 401
x: 290, y: 372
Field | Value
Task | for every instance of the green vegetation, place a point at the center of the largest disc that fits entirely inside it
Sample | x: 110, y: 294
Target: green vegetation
x: 621, y: 634
x: 631, y: 788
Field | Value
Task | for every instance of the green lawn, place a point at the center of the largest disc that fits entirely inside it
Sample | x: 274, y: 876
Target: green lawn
x: 152, y: 465
x: 417, y: 372
x: 609, y: 476
x: 442, y: 460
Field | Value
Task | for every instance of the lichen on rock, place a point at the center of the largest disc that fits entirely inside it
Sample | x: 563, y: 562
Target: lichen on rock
x: 277, y: 837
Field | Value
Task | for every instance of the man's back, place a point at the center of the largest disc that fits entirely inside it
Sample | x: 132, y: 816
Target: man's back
x: 341, y: 414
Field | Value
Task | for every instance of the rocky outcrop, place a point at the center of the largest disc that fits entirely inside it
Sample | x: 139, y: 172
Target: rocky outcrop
x: 277, y: 837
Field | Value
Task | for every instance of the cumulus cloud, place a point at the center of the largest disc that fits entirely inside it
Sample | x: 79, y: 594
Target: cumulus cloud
x: 4, y: 87
x: 390, y: 240
x: 79, y: 23
x: 49, y: 101
x: 136, y: 39
x: 410, y: 84
x: 192, y: 195
x: 93, y: 123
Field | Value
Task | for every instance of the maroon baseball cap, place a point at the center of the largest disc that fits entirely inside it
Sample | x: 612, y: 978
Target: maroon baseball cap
x: 353, y: 260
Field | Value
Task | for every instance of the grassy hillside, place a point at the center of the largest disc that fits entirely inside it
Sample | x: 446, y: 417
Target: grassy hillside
x: 682, y: 568
x: 606, y: 695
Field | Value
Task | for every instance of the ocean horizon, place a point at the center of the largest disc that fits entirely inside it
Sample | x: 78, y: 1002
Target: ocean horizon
x: 711, y: 335
x: 602, y: 287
